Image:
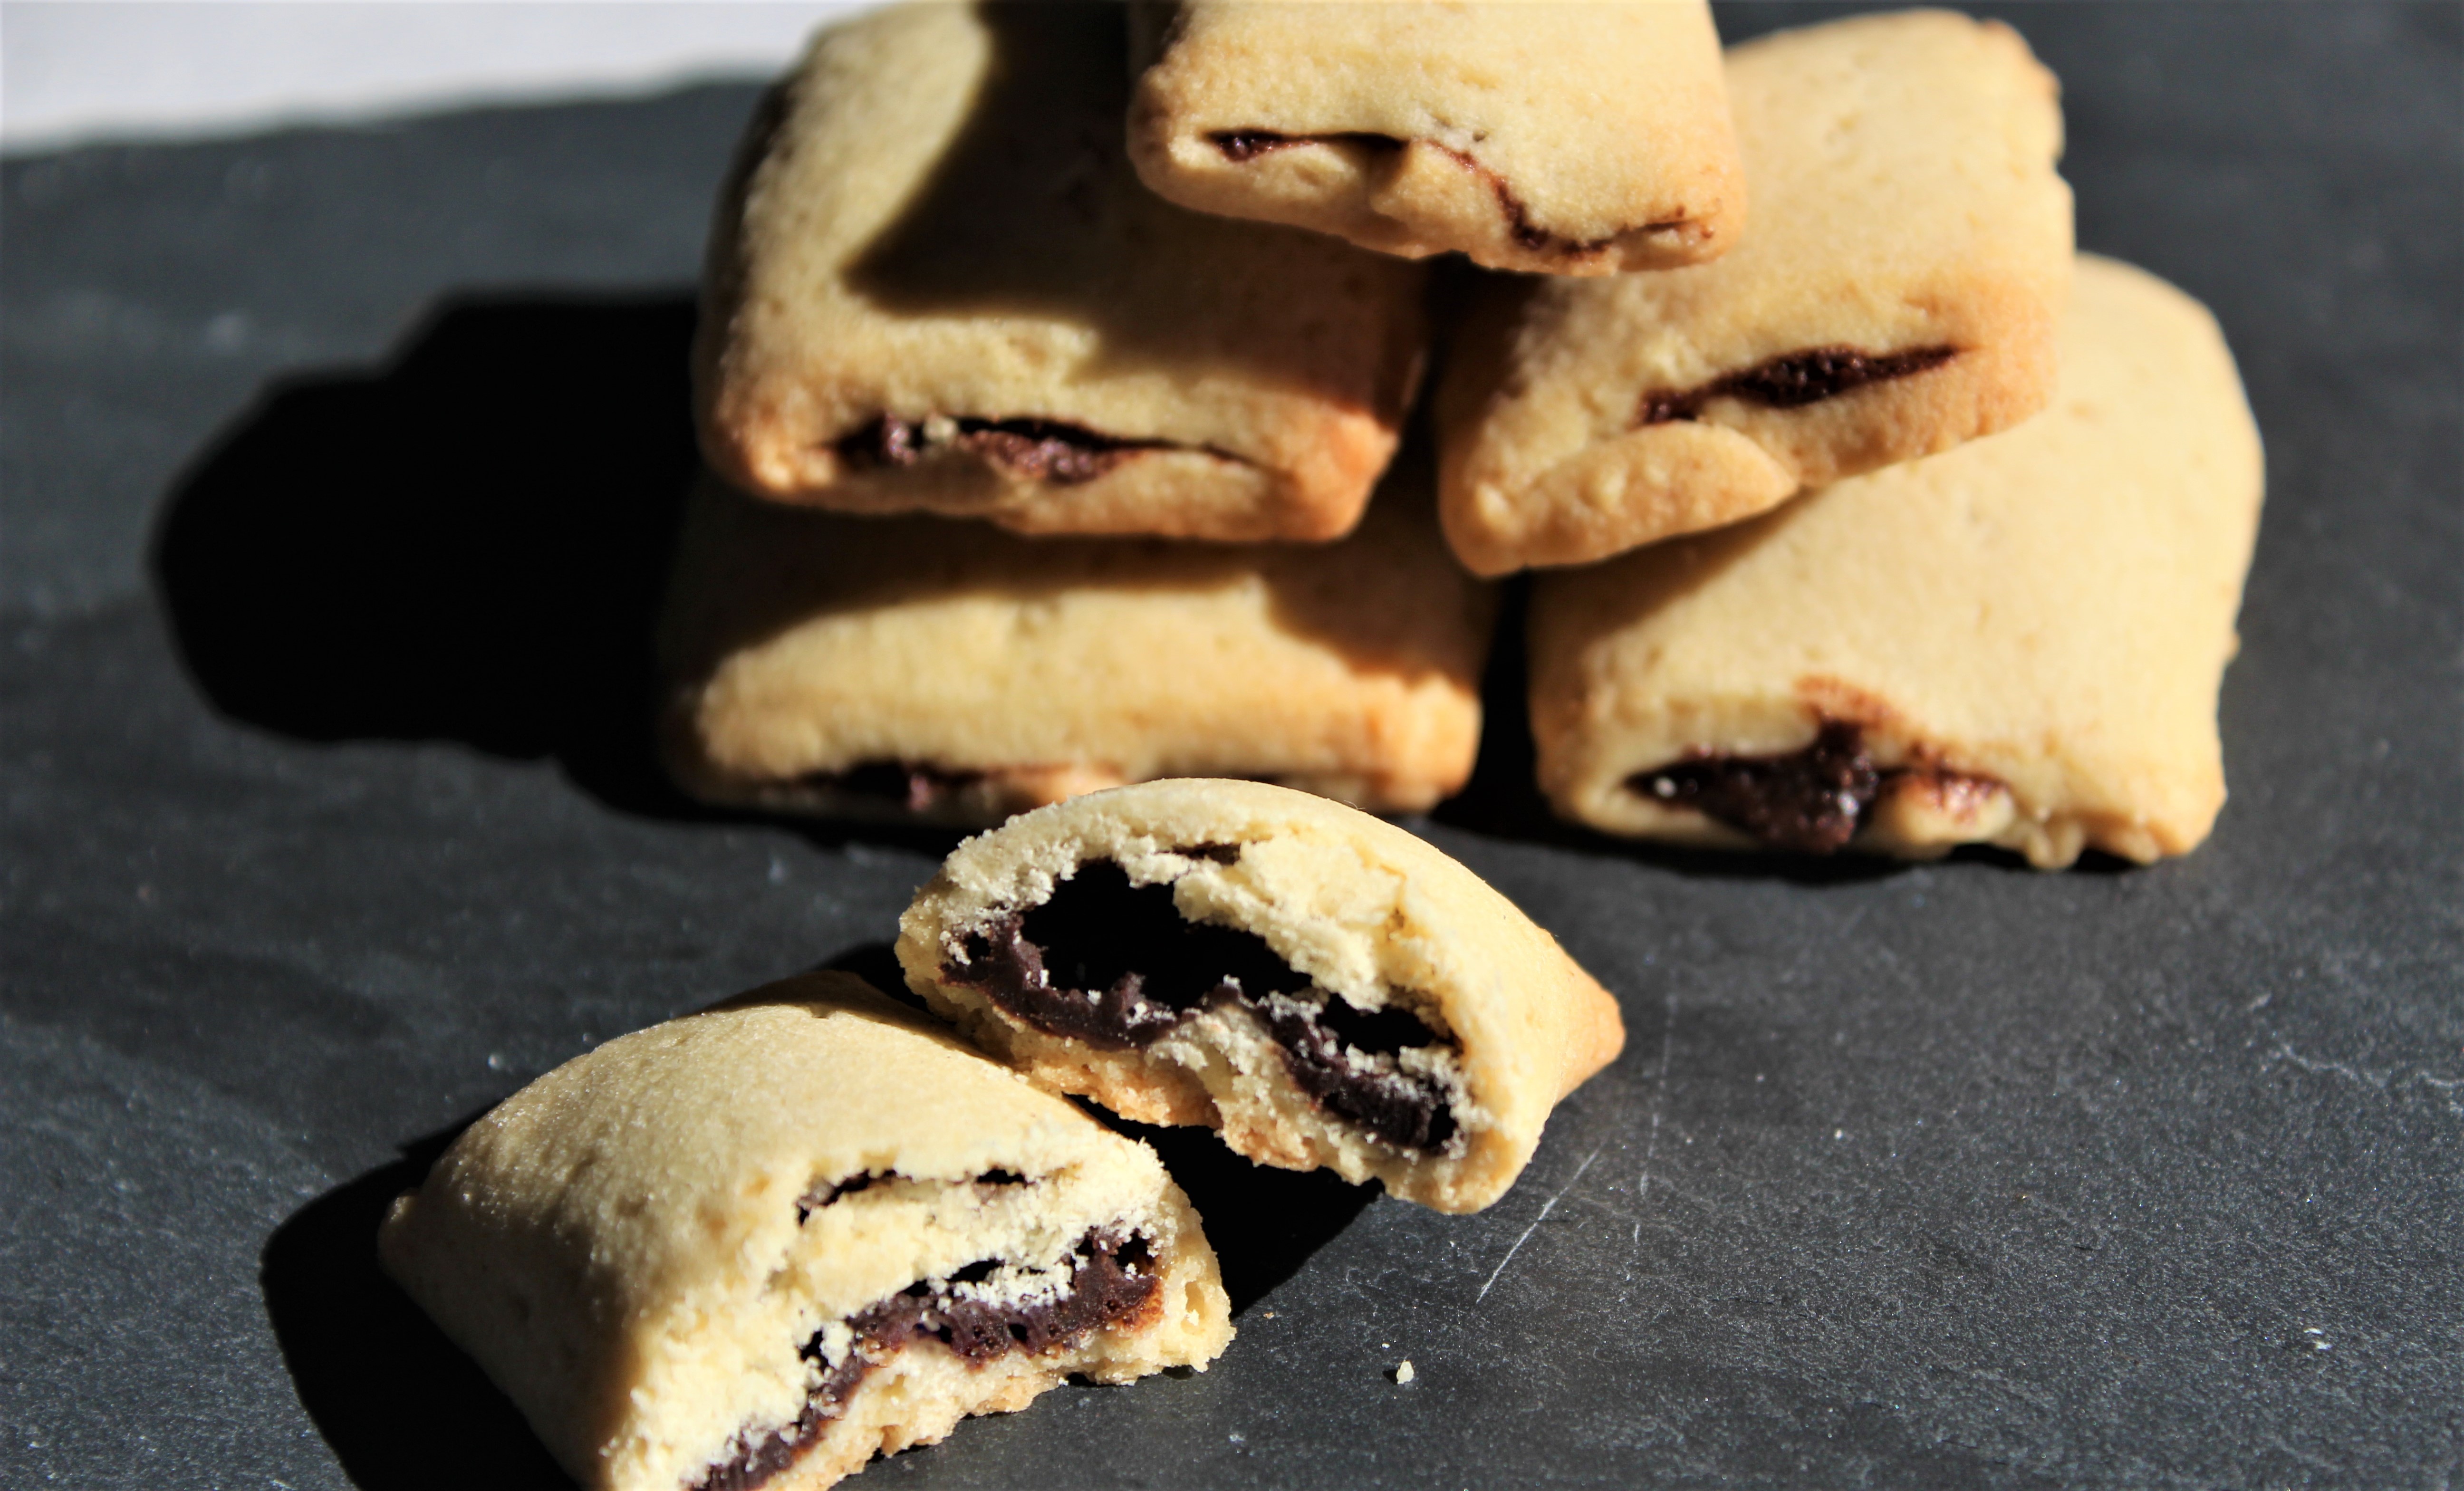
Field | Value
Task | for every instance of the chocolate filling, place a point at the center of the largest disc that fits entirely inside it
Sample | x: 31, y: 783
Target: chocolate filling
x: 1794, y: 380
x: 1812, y: 801
x: 1243, y: 146
x: 823, y: 1193
x: 1116, y: 966
x: 1041, y: 449
x: 1111, y: 1279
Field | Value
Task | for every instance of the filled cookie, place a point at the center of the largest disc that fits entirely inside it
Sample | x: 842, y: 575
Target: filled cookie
x: 1323, y: 988
x: 920, y: 667
x: 936, y: 285
x: 1900, y: 291
x: 755, y: 1246
x: 1554, y: 139
x: 2016, y: 642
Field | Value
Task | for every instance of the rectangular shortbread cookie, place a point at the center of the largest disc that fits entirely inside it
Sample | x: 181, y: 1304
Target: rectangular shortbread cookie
x: 1899, y: 293
x: 755, y: 1246
x: 936, y: 285
x: 1321, y: 988
x: 920, y: 666
x: 1545, y: 137
x: 2016, y: 642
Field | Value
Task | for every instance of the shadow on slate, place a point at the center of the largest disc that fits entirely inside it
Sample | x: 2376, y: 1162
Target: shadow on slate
x: 876, y: 963
x: 467, y: 545
x: 400, y: 1405
x: 1264, y: 1223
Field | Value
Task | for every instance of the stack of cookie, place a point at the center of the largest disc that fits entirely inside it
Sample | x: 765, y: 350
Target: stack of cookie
x: 1159, y: 371
x: 1050, y: 455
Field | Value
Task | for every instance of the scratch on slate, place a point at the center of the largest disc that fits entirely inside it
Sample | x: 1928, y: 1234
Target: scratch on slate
x: 2284, y: 1052
x: 1658, y: 1100
x: 2382, y: 1080
x: 1546, y: 1207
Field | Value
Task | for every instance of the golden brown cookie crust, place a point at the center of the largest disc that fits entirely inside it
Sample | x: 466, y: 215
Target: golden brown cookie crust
x: 1900, y: 291
x: 936, y: 285
x: 662, y: 1250
x: 2022, y: 638
x: 1351, y: 908
x: 1551, y: 139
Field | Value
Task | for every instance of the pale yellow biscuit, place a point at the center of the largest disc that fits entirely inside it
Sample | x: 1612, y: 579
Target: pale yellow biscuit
x: 936, y: 285
x: 1323, y: 988
x: 950, y: 672
x: 758, y: 1244
x: 1898, y: 293
x: 2016, y: 642
x: 1559, y: 139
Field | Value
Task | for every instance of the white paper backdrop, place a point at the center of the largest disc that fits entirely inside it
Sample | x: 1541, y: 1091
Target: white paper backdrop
x: 72, y: 71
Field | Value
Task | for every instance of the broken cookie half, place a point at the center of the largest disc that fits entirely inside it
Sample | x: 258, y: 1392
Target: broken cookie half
x: 1322, y: 987
x: 753, y: 1246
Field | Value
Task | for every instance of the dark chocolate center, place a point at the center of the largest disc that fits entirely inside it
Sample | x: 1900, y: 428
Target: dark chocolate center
x: 1041, y: 449
x: 1812, y: 801
x: 1794, y: 380
x: 1111, y: 1279
x: 1117, y: 966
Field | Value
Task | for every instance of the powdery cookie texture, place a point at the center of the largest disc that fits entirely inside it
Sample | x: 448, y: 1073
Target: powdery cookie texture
x: 2016, y: 642
x: 1558, y: 138
x: 752, y: 1247
x: 936, y: 285
x: 918, y: 667
x: 1323, y: 988
x: 1900, y: 291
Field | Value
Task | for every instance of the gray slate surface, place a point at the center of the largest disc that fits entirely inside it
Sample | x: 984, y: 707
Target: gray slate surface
x: 334, y: 469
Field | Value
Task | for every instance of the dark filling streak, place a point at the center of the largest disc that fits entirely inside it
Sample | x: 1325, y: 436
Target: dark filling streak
x: 913, y: 785
x: 1041, y: 449
x: 1111, y: 1277
x: 821, y: 1194
x: 1112, y: 1280
x: 1518, y: 217
x: 1812, y: 801
x: 1116, y: 966
x: 754, y: 1457
x: 1794, y: 380
x: 1242, y: 145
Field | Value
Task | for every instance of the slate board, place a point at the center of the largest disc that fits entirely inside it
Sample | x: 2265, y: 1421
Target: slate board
x: 334, y: 470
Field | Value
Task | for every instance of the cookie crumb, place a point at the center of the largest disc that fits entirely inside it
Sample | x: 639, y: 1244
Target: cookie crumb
x: 1404, y: 1373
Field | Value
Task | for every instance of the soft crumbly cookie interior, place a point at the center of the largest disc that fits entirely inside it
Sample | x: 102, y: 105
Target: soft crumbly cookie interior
x: 983, y: 1335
